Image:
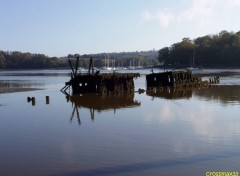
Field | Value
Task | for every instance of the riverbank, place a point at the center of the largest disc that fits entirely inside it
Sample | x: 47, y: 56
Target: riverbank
x: 4, y: 90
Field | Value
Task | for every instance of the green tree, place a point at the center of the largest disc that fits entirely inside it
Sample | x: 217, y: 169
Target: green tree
x: 163, y: 55
x: 220, y: 50
x: 3, y: 63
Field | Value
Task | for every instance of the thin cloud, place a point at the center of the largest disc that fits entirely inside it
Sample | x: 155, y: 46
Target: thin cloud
x: 201, y: 11
x: 163, y: 17
x: 233, y: 3
x: 204, y: 11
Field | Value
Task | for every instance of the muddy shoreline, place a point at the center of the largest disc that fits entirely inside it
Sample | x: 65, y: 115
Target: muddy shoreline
x: 4, y: 90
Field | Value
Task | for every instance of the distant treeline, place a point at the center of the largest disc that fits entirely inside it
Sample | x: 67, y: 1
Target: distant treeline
x: 221, y: 50
x: 122, y: 59
x: 19, y: 60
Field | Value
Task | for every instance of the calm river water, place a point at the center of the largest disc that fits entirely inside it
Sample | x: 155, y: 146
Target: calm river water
x: 164, y: 133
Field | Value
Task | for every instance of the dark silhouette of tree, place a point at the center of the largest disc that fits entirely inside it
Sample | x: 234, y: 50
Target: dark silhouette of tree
x: 221, y: 50
x: 3, y: 63
x: 163, y: 55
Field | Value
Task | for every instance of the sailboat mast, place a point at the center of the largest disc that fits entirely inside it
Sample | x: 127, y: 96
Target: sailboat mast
x: 193, y: 58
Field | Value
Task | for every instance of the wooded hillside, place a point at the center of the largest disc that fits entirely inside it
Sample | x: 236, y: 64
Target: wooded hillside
x: 19, y: 60
x: 213, y: 51
x: 221, y: 50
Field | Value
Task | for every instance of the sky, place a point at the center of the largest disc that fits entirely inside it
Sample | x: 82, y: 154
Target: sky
x: 62, y: 27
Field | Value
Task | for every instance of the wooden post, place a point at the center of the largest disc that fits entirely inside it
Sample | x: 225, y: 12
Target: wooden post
x: 76, y: 69
x: 33, y: 101
x: 29, y: 99
x: 47, y: 100
x: 71, y: 67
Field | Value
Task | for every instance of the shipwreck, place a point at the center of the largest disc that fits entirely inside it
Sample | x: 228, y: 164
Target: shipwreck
x: 117, y: 83
x: 96, y: 82
x: 174, y: 79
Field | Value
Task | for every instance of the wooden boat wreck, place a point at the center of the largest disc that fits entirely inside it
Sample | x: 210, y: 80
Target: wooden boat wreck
x: 174, y: 79
x: 96, y: 82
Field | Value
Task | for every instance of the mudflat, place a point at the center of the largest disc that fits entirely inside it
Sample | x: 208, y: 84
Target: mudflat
x: 15, y: 89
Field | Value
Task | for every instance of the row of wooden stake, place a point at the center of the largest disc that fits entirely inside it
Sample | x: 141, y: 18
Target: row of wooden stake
x: 33, y: 100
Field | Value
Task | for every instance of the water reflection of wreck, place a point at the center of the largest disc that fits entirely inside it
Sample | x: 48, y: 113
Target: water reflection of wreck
x: 99, y: 102
x: 224, y: 94
x: 171, y: 93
